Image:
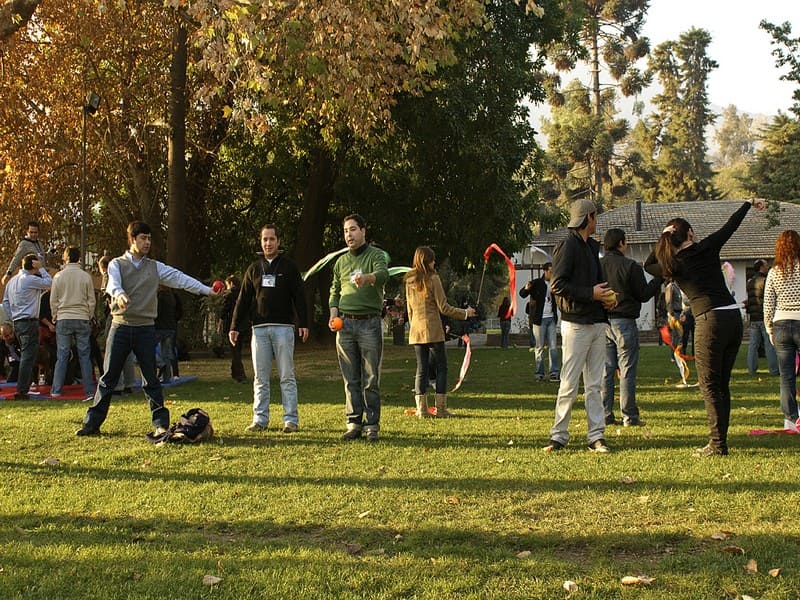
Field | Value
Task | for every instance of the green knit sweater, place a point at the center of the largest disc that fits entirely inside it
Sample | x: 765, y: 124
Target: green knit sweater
x: 367, y: 299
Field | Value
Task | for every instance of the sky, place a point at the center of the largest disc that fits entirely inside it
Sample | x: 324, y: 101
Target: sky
x: 747, y: 76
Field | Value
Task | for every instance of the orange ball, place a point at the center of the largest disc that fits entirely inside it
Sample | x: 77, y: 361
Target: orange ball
x: 337, y: 323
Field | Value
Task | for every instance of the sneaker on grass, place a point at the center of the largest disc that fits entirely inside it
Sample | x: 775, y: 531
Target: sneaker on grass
x: 599, y: 446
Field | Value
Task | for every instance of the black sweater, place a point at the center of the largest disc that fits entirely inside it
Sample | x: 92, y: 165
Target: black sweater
x: 626, y: 277
x: 276, y: 304
x: 699, y: 273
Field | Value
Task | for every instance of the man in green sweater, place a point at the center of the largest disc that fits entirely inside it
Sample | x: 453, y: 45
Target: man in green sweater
x: 357, y: 298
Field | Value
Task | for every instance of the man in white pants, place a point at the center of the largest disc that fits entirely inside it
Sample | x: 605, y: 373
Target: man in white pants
x: 583, y: 297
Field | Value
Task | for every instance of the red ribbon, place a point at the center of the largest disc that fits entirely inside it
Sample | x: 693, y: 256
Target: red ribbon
x: 512, y: 277
x: 464, y: 364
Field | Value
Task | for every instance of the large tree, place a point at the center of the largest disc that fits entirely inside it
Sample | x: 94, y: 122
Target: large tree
x: 682, y: 117
x: 774, y: 173
x: 786, y: 50
x: 613, y: 45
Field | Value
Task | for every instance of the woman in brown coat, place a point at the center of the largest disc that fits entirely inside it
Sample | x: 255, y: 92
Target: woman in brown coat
x: 426, y: 303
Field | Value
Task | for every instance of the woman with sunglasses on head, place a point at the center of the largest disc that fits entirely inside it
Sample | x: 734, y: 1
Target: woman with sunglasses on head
x: 695, y: 266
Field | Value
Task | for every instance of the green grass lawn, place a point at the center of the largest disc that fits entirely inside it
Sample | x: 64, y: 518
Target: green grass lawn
x: 468, y: 507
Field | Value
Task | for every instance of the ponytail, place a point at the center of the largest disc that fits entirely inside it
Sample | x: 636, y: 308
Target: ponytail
x: 674, y: 235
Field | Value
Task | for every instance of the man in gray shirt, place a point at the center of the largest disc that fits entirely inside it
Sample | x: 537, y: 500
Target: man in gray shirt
x: 21, y: 302
x: 133, y: 281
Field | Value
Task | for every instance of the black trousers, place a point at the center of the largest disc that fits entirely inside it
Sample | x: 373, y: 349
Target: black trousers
x: 717, y: 337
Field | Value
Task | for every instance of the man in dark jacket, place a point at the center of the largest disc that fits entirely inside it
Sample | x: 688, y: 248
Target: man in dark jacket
x: 754, y: 305
x: 272, y: 292
x: 626, y: 277
x: 583, y: 298
x: 543, y: 318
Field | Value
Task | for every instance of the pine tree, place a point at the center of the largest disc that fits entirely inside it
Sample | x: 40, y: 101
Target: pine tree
x: 612, y: 44
x: 682, y: 116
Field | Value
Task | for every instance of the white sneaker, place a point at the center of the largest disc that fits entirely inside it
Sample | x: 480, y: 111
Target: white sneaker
x: 789, y: 425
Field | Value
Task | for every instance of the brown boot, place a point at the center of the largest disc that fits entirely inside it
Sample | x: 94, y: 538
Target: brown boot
x: 441, y: 407
x: 422, y: 406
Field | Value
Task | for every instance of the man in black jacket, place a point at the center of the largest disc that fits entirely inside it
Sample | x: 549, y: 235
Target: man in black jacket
x: 272, y: 292
x: 583, y: 297
x: 626, y: 277
x: 754, y: 305
x: 543, y: 318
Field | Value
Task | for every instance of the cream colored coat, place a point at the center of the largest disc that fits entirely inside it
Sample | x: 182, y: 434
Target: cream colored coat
x: 424, y: 308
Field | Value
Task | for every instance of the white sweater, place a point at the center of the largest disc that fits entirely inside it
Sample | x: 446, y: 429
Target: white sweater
x: 781, y: 296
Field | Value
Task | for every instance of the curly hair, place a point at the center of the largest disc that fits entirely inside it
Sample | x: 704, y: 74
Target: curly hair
x: 787, y: 251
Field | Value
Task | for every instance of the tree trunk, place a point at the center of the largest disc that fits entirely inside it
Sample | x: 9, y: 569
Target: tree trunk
x: 177, y: 243
x: 597, y: 169
x: 309, y: 249
x: 211, y: 134
x: 14, y: 15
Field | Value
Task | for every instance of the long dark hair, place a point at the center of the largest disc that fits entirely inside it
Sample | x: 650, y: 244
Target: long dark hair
x: 675, y: 233
x: 422, y: 270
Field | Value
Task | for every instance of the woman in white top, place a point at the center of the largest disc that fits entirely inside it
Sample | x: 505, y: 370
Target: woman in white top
x: 782, y: 318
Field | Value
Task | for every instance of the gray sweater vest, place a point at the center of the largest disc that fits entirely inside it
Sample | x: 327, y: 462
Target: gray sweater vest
x: 141, y: 287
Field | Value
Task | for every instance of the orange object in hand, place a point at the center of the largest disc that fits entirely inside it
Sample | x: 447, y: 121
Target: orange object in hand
x: 337, y: 323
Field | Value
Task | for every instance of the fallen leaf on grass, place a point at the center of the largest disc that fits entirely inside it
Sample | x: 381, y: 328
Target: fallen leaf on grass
x: 636, y: 580
x: 169, y: 402
x: 627, y: 480
x: 510, y: 443
x: 215, y: 458
x: 398, y: 537
x: 364, y: 514
x: 453, y: 500
x: 751, y: 566
x: 220, y: 567
x: 211, y: 579
x: 352, y: 548
x: 746, y: 597
x: 720, y: 535
x: 147, y: 463
x: 51, y: 461
x: 733, y: 550
x: 382, y: 469
x: 570, y: 586
x: 501, y: 460
x: 643, y: 499
x: 524, y: 554
x: 774, y: 572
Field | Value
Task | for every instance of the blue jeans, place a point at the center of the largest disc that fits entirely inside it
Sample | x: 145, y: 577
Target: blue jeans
x: 121, y: 341
x: 128, y: 378
x: 268, y: 342
x: 583, y: 348
x: 505, y: 329
x: 622, y: 351
x: 27, y: 332
x: 759, y: 338
x: 65, y: 330
x: 359, y: 348
x: 786, y: 334
x: 423, y: 353
x: 545, y: 335
x: 718, y: 335
x: 165, y: 338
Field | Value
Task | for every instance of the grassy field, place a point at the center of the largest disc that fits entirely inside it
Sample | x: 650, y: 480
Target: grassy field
x: 468, y: 507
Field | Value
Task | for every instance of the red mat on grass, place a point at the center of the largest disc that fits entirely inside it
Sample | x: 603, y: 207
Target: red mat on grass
x: 70, y: 392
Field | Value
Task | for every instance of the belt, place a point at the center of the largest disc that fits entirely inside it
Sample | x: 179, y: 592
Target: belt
x: 359, y: 317
x: 26, y: 319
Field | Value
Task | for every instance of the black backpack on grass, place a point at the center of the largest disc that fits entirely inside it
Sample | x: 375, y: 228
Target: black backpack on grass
x: 193, y: 427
